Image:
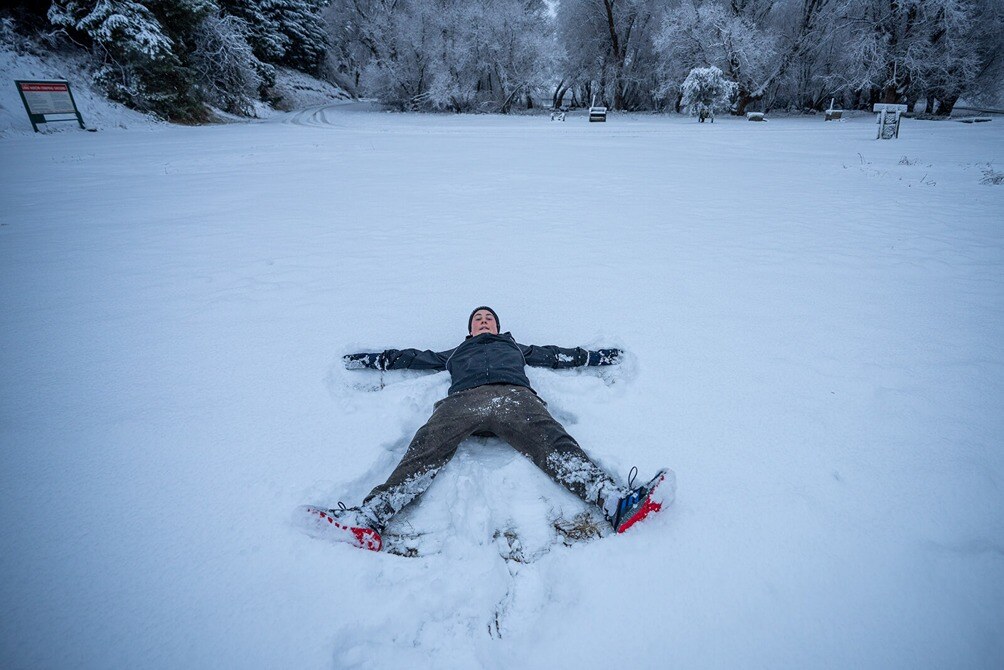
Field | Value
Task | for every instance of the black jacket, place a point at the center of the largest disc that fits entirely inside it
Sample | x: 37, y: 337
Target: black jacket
x: 487, y: 359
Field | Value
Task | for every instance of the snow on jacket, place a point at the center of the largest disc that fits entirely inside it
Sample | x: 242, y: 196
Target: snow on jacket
x: 487, y: 359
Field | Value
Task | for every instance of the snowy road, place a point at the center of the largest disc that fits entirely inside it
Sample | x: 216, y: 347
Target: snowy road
x: 813, y: 319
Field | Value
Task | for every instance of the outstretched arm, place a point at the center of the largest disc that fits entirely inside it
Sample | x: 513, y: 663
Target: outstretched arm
x: 557, y: 357
x: 399, y: 359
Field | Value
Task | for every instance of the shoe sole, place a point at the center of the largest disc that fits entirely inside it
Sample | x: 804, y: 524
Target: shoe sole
x: 650, y: 506
x: 363, y: 538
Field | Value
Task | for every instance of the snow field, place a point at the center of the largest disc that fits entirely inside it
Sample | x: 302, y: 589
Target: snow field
x: 813, y: 329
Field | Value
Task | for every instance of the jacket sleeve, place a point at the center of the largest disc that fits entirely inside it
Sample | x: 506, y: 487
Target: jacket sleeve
x: 413, y: 359
x: 550, y: 356
x: 398, y: 359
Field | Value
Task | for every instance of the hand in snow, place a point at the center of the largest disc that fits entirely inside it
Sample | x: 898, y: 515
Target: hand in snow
x: 605, y: 357
x: 360, y: 361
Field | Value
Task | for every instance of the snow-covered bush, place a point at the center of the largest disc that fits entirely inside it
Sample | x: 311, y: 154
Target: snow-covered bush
x: 706, y: 90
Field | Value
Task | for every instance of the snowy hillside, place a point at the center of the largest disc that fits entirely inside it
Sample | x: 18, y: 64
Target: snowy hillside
x: 292, y: 90
x: 813, y: 321
x: 96, y: 110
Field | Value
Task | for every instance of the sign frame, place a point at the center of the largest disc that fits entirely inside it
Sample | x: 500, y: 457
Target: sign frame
x: 40, y: 117
x: 889, y: 115
x: 879, y: 107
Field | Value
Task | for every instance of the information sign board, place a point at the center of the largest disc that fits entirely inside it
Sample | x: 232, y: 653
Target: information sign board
x: 48, y: 101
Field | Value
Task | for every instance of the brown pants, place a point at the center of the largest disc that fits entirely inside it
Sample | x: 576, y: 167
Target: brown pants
x: 514, y: 414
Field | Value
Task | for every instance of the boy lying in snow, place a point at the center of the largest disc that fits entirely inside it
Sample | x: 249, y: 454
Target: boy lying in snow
x: 490, y: 394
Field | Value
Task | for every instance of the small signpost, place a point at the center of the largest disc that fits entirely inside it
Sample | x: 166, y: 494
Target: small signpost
x: 833, y: 114
x: 597, y: 112
x: 888, y: 119
x: 48, y: 101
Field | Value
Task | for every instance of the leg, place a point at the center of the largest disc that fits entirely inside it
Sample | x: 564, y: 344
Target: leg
x: 433, y: 446
x: 523, y: 421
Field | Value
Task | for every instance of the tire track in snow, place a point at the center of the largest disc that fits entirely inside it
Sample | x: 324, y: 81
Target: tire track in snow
x: 329, y: 115
x: 311, y: 117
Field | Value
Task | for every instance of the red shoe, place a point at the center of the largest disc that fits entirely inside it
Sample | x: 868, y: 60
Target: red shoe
x: 639, y: 502
x: 346, y: 524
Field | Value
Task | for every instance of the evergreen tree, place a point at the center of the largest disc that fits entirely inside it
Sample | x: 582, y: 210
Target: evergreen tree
x: 137, y: 55
x: 302, y: 23
x: 284, y: 32
x: 265, y: 37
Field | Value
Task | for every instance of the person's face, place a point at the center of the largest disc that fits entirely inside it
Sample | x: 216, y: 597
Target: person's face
x: 484, y: 322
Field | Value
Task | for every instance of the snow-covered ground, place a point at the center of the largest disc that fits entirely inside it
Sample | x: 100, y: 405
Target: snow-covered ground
x: 814, y: 323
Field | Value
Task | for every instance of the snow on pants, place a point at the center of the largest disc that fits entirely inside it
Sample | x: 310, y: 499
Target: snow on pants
x: 514, y: 414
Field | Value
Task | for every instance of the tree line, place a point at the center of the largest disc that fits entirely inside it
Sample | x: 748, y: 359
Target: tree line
x: 173, y: 57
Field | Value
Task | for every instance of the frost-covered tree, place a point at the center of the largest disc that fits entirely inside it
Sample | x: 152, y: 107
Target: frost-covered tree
x: 811, y: 40
x: 903, y: 50
x: 707, y: 90
x: 226, y: 71
x: 493, y: 53
x: 442, y: 54
x: 952, y: 61
x: 520, y: 50
x: 608, y: 51
x: 719, y: 36
x: 362, y: 32
x: 807, y: 37
x: 348, y: 45
x: 403, y: 39
x: 987, y: 87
